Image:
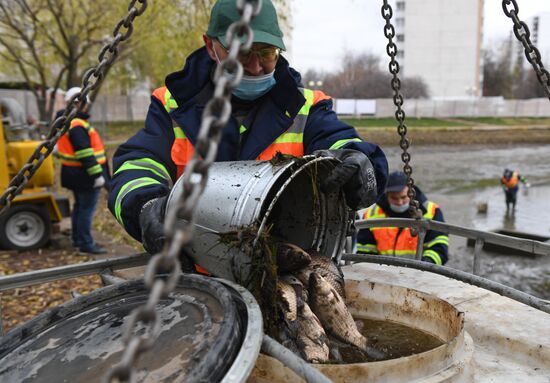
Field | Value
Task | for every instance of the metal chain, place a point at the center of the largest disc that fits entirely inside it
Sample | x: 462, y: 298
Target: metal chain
x: 91, y: 81
x: 163, y: 271
x: 404, y: 143
x: 531, y: 52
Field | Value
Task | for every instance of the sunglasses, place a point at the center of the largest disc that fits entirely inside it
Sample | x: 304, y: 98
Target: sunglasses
x: 267, y: 55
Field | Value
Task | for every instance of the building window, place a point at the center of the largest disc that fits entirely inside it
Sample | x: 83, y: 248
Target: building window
x: 399, y: 21
x: 400, y: 37
x: 400, y: 54
x: 535, y: 31
x: 400, y: 5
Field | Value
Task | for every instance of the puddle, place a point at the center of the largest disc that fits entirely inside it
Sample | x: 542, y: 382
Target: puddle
x: 393, y: 339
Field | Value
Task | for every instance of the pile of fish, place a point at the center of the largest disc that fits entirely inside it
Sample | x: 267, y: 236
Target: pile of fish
x: 315, y: 320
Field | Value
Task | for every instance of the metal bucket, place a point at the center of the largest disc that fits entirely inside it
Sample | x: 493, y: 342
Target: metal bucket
x: 281, y: 197
x: 80, y: 340
x: 452, y: 361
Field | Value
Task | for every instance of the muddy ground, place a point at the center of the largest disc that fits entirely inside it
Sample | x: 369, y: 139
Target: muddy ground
x: 20, y: 305
x: 491, y: 135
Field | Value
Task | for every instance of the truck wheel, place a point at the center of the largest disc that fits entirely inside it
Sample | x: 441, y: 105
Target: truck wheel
x: 25, y: 227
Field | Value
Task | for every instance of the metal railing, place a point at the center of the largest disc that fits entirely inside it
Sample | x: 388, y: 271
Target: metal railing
x: 480, y: 237
x: 106, y: 266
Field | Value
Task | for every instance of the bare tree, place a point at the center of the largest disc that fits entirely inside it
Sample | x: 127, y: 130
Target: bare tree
x: 362, y: 76
x: 48, y: 43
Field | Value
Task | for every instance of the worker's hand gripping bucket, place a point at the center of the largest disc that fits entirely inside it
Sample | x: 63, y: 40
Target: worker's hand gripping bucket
x: 281, y: 198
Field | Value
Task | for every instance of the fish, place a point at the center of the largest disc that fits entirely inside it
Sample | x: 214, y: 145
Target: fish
x: 290, y: 257
x: 327, y: 268
x: 299, y: 289
x: 311, y: 338
x: 333, y: 313
x: 287, y: 300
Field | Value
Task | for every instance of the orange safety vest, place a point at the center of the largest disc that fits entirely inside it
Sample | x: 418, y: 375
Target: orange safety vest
x: 290, y: 142
x: 512, y: 182
x: 394, y: 240
x: 66, y: 150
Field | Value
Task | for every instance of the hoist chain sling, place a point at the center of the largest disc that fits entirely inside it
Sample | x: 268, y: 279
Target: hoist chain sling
x: 391, y: 50
x: 531, y: 52
x: 179, y: 221
x: 91, y: 81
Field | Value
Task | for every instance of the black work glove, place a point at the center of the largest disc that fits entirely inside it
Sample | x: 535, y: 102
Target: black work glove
x: 355, y: 175
x: 151, y: 222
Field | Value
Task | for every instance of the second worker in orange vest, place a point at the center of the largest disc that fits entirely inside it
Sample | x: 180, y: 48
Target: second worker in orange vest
x: 84, y: 171
x: 399, y: 241
x: 510, y: 184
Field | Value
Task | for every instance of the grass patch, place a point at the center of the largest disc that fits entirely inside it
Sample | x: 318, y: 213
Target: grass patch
x: 122, y: 130
x: 506, y: 121
x: 410, y: 122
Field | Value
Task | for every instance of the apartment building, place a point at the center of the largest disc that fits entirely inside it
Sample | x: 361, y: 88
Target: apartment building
x: 440, y: 42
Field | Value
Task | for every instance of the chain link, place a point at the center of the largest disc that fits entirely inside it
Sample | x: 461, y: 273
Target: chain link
x: 91, y: 81
x: 531, y: 52
x: 404, y: 143
x: 163, y: 270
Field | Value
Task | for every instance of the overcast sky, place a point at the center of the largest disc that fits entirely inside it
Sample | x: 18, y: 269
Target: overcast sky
x: 325, y: 29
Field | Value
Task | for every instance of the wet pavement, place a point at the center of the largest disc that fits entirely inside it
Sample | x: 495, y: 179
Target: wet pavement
x: 459, y: 178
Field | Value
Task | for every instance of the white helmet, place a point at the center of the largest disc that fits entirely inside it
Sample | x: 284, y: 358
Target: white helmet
x: 72, y: 91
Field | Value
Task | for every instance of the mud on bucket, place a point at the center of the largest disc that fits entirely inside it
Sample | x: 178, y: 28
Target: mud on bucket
x: 246, y: 200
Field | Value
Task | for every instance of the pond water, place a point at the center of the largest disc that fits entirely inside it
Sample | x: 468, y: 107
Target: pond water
x: 459, y: 178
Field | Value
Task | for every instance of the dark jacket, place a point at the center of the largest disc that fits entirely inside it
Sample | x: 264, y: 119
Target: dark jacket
x: 77, y: 178
x: 270, y: 116
x: 434, y: 240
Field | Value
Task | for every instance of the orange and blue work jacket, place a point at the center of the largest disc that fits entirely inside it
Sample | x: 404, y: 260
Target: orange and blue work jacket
x: 512, y: 182
x: 396, y: 241
x: 288, y: 119
x: 82, y: 154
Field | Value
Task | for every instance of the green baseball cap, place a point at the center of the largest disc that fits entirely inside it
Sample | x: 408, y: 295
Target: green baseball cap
x: 265, y: 25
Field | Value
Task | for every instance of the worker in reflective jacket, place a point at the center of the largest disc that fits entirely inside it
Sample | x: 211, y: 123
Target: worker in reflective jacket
x: 84, y: 170
x: 271, y: 112
x: 510, y: 184
x: 399, y: 241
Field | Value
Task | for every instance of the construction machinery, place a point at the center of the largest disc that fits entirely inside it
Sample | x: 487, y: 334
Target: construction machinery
x: 29, y: 221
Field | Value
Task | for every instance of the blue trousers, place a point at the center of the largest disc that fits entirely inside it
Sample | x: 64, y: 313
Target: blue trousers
x: 511, y: 197
x: 85, y: 202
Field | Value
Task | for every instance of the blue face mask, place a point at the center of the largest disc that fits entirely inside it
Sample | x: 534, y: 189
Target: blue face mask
x: 253, y: 87
x: 399, y: 208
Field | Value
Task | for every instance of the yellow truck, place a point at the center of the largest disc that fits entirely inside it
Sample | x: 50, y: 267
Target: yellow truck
x: 30, y: 219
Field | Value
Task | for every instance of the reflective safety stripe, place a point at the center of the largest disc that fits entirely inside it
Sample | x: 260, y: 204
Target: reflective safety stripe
x: 290, y: 137
x: 340, y: 143
x: 374, y: 212
x: 440, y: 239
x: 430, y: 209
x: 308, y: 94
x: 399, y: 253
x: 433, y: 255
x: 70, y: 157
x: 178, y: 132
x: 367, y: 248
x: 147, y: 164
x: 127, y: 188
x: 94, y: 169
x: 84, y: 153
x: 165, y: 97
